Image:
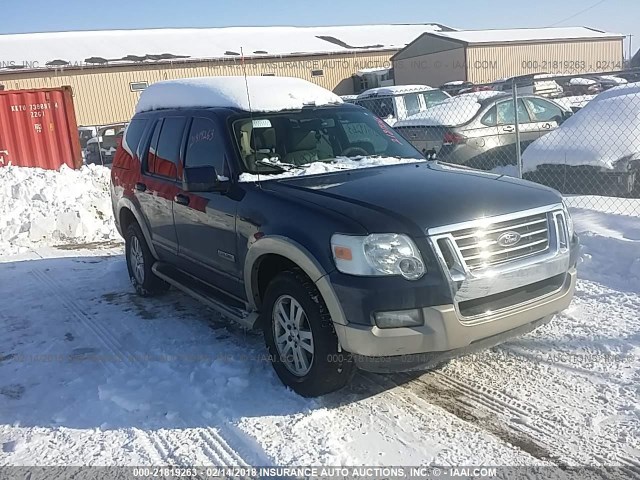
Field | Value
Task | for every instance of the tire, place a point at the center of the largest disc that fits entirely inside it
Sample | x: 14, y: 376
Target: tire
x: 139, y: 263
x: 327, y: 368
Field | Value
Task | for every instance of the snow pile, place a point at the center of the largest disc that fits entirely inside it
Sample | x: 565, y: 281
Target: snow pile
x: 392, y: 90
x: 45, y: 207
x: 600, y: 134
x: 451, y: 112
x: 317, y: 168
x: 574, y: 102
x: 582, y: 81
x: 266, y: 94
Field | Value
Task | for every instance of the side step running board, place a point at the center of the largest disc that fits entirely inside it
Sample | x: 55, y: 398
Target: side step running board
x: 205, y: 294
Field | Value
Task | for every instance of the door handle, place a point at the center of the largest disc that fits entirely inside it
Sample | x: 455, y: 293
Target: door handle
x: 141, y: 187
x: 546, y: 125
x: 181, y: 199
x: 509, y: 129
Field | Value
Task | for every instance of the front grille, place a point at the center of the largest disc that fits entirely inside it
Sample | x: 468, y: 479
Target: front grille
x: 510, y: 298
x: 501, y: 242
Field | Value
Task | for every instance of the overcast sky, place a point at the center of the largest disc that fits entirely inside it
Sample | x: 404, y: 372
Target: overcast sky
x: 620, y: 16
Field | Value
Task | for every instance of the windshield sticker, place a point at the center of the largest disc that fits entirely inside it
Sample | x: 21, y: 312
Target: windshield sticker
x: 262, y: 123
x: 387, y: 131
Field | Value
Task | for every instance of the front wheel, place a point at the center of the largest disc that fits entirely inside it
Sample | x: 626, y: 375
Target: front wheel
x: 300, y: 337
x: 139, y: 263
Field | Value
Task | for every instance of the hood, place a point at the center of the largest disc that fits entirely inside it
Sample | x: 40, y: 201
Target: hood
x: 413, y: 197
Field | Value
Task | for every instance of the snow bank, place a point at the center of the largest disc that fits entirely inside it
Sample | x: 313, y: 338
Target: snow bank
x: 45, y: 207
x: 574, y: 102
x: 600, y: 134
x: 266, y: 94
x: 582, y: 81
x: 341, y: 163
x: 451, y: 112
x: 392, y: 90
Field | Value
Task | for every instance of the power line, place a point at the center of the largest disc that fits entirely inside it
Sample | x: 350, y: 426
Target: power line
x: 578, y: 13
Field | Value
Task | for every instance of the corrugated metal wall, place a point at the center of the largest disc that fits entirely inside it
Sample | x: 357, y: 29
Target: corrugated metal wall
x: 432, y: 69
x: 102, y: 95
x: 487, y: 63
x: 38, y: 129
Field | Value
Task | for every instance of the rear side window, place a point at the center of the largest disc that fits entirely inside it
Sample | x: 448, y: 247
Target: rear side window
x: 164, y: 154
x: 506, y: 113
x: 412, y: 103
x: 133, y: 135
x: 382, y: 107
x: 205, y: 147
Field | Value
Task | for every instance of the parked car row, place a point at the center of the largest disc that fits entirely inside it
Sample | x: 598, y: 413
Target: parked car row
x: 478, y: 129
x: 100, y: 143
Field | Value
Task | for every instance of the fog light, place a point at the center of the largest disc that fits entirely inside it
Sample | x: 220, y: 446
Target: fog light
x: 400, y: 318
x: 411, y: 268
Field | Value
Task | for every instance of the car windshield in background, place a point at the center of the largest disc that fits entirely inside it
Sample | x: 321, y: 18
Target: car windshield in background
x: 269, y: 143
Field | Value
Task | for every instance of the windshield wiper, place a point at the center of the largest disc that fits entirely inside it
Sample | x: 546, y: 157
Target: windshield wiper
x: 281, y: 167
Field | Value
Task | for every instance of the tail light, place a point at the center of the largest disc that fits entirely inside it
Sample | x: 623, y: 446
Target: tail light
x: 452, y: 138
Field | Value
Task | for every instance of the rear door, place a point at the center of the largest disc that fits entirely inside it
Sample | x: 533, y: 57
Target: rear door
x: 206, y: 221
x: 158, y: 185
x: 506, y: 121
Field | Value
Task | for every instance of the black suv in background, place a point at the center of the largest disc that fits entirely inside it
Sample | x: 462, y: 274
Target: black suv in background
x: 270, y: 218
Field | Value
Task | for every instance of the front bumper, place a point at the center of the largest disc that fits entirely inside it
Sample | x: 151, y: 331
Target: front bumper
x: 445, y: 334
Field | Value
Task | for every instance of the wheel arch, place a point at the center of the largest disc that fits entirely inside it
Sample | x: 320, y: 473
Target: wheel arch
x: 127, y: 212
x: 294, y: 254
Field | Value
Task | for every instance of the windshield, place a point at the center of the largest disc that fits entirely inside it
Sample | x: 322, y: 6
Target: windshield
x: 272, y: 142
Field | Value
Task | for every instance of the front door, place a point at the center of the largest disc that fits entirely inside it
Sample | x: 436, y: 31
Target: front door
x: 206, y: 222
x: 547, y: 115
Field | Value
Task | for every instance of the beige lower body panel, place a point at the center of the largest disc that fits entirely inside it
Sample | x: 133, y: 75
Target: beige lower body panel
x: 444, y: 331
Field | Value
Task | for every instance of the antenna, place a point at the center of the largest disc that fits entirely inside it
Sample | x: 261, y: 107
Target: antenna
x: 246, y: 84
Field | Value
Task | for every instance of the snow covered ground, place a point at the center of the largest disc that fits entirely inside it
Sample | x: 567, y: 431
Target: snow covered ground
x: 91, y: 374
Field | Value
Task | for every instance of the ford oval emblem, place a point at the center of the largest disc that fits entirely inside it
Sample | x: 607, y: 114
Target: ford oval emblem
x: 509, y: 239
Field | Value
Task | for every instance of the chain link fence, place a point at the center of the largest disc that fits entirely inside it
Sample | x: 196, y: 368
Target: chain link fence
x: 579, y: 134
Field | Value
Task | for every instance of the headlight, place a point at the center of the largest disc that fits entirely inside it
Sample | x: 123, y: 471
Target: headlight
x: 567, y: 215
x: 377, y: 254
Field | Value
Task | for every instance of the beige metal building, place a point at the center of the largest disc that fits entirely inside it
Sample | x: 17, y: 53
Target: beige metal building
x: 482, y: 56
x: 108, y: 69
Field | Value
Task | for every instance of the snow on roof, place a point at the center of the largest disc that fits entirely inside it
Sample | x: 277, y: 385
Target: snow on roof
x: 592, y: 135
x: 394, y: 90
x: 37, y: 50
x: 451, y: 112
x: 266, y: 94
x: 526, y: 34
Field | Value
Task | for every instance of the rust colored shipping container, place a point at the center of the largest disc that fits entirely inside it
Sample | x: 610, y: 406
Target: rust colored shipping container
x: 38, y: 129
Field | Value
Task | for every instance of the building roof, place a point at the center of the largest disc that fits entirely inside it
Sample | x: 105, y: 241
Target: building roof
x: 91, y: 48
x: 526, y: 35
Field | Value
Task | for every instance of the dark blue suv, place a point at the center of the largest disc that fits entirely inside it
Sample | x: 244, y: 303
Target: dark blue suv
x: 321, y: 226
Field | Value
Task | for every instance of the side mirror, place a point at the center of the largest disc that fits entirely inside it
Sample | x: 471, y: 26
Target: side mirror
x: 203, y: 179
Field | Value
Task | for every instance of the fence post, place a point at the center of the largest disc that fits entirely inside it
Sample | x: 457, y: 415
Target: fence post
x: 517, y: 122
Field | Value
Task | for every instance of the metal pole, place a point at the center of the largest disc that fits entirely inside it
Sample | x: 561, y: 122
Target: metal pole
x: 515, y: 114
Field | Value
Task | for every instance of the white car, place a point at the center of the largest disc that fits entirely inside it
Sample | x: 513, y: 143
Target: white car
x: 537, y: 84
x: 596, y: 151
x: 400, y: 101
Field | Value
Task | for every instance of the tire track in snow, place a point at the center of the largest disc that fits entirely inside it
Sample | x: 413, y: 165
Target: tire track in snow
x: 219, y: 450
x: 107, y: 341
x: 414, y: 392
